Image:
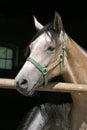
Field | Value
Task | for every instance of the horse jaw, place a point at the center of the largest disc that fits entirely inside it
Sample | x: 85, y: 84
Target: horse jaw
x: 38, y: 25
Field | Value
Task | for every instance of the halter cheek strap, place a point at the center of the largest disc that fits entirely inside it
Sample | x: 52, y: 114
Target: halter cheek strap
x: 39, y: 67
x: 62, y: 54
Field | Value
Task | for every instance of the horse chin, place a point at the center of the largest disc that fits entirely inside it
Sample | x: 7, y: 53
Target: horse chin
x: 26, y: 92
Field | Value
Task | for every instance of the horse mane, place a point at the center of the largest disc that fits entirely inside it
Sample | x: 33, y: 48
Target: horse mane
x: 46, y: 28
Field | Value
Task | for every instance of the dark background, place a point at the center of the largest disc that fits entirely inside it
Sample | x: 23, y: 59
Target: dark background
x: 17, y: 27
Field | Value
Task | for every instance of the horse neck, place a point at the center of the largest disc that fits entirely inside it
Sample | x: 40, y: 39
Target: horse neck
x: 76, y: 70
x: 75, y: 63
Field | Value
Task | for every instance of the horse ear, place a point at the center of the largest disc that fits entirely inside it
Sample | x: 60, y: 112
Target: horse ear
x: 38, y: 25
x: 57, y: 23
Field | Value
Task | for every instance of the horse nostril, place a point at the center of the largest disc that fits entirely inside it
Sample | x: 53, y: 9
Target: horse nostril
x: 17, y: 83
x: 24, y: 82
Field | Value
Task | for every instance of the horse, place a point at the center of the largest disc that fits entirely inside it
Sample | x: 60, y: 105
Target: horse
x: 52, y: 53
x: 46, y: 116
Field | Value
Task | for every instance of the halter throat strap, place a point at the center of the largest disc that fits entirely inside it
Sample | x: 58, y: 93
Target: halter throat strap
x: 63, y: 53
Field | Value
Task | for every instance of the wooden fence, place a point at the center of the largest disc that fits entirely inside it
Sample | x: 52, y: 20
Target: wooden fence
x: 52, y: 87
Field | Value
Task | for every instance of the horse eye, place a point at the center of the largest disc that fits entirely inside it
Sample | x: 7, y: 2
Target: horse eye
x: 50, y: 48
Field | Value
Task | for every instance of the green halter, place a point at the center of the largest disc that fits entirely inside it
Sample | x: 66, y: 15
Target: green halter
x: 44, y: 69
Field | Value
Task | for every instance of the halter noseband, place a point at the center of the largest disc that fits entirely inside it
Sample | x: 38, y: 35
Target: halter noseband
x: 45, y: 70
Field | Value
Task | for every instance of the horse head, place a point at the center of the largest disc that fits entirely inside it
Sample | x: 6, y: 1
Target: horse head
x: 46, y: 57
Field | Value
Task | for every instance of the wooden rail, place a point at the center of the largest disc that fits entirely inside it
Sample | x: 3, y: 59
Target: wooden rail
x: 52, y: 87
x: 7, y: 83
